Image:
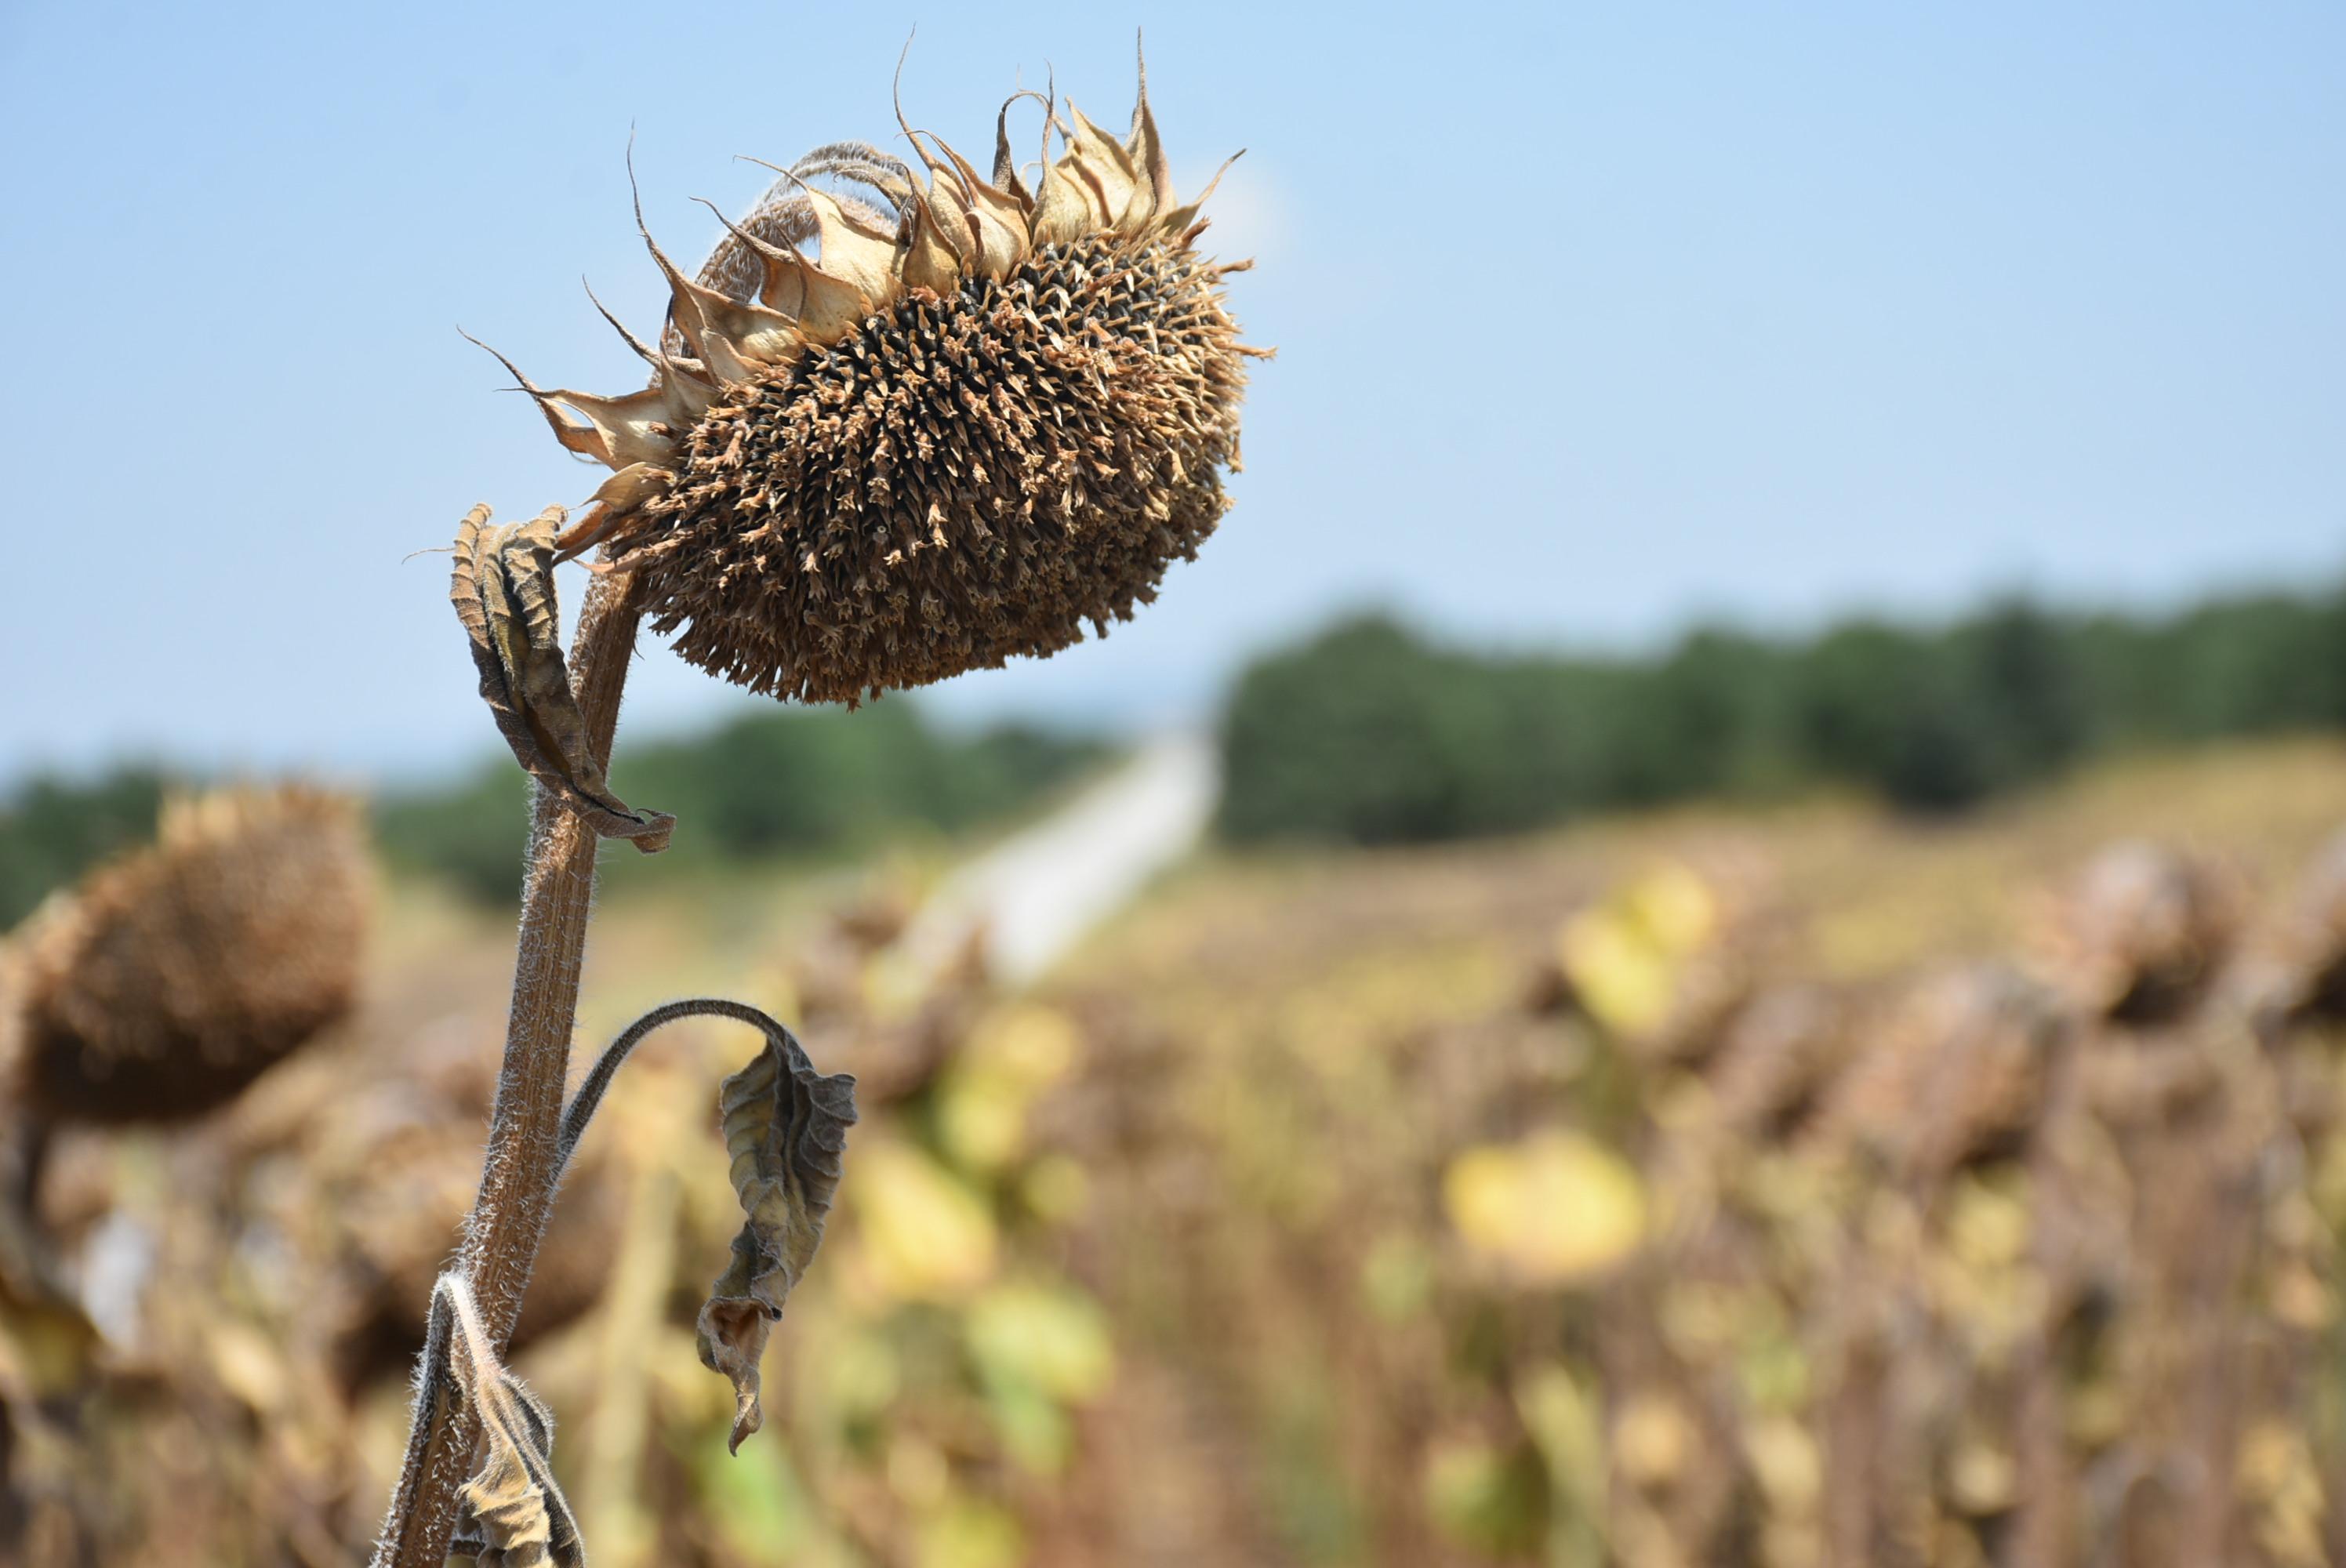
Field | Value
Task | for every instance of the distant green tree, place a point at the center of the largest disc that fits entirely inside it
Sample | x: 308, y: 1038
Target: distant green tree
x: 52, y: 829
x: 2026, y: 677
x: 2258, y: 665
x: 1363, y: 736
x: 469, y: 834
x: 1718, y: 710
x: 1370, y: 734
x: 1887, y: 707
x: 802, y: 783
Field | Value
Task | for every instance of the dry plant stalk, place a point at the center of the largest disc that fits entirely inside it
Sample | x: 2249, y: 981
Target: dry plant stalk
x: 981, y: 414
x: 519, y: 1173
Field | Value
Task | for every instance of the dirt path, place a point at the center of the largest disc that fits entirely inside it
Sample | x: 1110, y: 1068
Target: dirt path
x: 1036, y: 894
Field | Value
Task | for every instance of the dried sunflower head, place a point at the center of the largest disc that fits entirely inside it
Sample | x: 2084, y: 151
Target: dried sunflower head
x: 2143, y: 932
x: 168, y: 980
x: 979, y: 414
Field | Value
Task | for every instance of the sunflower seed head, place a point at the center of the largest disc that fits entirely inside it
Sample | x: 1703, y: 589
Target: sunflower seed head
x: 976, y: 419
x: 170, y: 979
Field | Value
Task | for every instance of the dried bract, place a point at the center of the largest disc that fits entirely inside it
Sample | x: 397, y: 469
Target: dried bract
x: 514, y: 1515
x: 978, y: 417
x: 170, y: 979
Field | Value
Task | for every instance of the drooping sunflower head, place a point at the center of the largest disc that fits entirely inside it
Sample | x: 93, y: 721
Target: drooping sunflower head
x: 168, y: 980
x: 980, y: 413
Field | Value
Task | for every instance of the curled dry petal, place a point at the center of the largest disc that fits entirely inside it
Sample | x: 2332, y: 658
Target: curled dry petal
x: 785, y: 1127
x: 1146, y: 149
x: 503, y: 588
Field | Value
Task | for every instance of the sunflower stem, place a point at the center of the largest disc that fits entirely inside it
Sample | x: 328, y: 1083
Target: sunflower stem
x: 523, y: 1165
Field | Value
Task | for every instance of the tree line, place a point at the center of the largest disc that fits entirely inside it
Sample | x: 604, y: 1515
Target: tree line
x: 1371, y: 733
x: 797, y: 784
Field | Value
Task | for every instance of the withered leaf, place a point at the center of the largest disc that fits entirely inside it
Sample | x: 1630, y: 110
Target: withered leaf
x: 514, y: 1514
x: 785, y: 1127
x: 503, y: 589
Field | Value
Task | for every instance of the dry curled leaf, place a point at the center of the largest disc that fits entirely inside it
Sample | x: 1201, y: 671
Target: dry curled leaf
x: 503, y: 588
x: 785, y: 1127
x: 515, y: 1516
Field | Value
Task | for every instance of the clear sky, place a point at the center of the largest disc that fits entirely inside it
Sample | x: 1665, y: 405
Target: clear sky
x: 1591, y: 320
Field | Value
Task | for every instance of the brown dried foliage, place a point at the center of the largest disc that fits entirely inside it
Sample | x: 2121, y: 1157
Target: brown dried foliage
x: 504, y: 591
x: 2066, y: 1291
x: 2040, y: 1280
x: 785, y: 1127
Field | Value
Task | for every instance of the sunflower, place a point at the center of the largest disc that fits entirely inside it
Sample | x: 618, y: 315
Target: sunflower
x: 171, y: 978
x: 893, y: 436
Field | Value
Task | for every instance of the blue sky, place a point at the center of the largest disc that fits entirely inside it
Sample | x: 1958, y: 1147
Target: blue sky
x: 1591, y: 320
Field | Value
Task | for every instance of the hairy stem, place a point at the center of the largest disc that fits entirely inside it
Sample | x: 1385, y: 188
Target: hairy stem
x: 523, y: 1165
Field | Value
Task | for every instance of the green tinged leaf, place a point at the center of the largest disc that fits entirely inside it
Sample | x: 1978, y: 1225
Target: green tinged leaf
x: 785, y: 1128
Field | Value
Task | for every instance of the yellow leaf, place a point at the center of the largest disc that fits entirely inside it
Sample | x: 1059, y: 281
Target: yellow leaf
x: 1625, y: 956
x: 1554, y: 1208
x: 981, y: 1118
x: 1055, y: 1188
x: 860, y: 1374
x: 1785, y: 1459
x: 1563, y: 1415
x: 1492, y: 1500
x: 1652, y: 1439
x: 1623, y: 980
x: 1053, y: 1337
x: 249, y: 1365
x: 924, y: 1235
x: 1675, y: 908
x: 968, y: 1534
x: 1397, y: 1278
x: 1011, y: 1059
x: 1981, y: 1479
x: 1037, y: 1045
x: 1988, y: 1223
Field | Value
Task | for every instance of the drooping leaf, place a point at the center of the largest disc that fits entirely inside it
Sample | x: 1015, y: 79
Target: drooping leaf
x: 785, y: 1129
x: 503, y: 589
